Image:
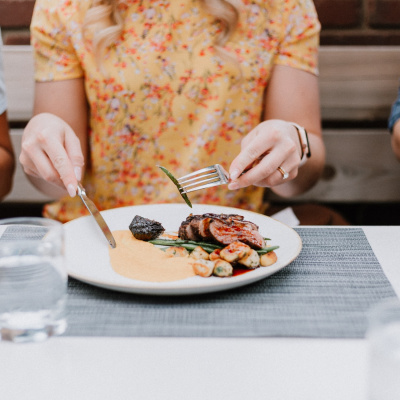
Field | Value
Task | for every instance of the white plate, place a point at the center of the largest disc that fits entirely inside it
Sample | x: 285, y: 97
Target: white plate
x: 88, y: 259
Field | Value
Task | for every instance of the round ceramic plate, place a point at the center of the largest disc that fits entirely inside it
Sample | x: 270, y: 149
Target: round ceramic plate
x: 88, y: 257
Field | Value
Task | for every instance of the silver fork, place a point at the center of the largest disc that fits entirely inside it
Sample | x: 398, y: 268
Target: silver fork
x: 204, y: 178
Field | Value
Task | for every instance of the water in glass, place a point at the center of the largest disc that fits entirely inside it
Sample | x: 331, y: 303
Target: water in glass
x: 32, y: 287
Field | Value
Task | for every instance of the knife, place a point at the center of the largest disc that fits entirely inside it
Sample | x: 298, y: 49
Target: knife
x: 96, y: 214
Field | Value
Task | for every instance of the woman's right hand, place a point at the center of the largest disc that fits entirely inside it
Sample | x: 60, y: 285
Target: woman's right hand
x: 52, y: 152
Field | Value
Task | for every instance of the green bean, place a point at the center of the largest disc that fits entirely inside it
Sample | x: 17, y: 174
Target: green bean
x: 208, y: 247
x: 177, y: 184
x: 265, y: 250
x: 187, y: 244
x: 178, y: 242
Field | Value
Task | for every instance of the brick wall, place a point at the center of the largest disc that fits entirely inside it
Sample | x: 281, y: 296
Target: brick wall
x: 344, y: 22
x: 359, y: 22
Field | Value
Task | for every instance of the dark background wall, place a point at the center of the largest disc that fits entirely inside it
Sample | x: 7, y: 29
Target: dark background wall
x: 344, y: 22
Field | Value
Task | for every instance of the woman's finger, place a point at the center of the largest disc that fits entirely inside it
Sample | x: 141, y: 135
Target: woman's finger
x: 62, y: 164
x: 249, y: 157
x: 36, y: 163
x: 261, y: 140
x: 265, y: 172
x: 74, y: 152
x: 52, y: 151
x: 274, y: 143
x: 28, y: 167
x: 41, y: 166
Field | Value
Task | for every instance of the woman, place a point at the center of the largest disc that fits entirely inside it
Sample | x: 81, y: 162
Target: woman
x: 124, y: 86
x: 7, y: 162
x: 394, y: 126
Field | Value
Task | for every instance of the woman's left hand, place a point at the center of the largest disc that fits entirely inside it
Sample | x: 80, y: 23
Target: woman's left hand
x: 270, y: 145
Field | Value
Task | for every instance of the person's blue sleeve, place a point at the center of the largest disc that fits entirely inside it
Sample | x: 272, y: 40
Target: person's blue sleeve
x: 395, y: 113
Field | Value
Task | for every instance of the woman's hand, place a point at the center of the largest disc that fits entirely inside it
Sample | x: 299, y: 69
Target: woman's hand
x: 52, y: 152
x: 271, y: 144
x: 291, y: 95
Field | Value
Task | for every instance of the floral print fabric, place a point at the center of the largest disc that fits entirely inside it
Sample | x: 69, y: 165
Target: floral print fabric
x: 164, y: 96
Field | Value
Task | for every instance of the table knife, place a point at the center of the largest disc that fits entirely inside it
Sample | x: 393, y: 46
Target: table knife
x: 96, y: 214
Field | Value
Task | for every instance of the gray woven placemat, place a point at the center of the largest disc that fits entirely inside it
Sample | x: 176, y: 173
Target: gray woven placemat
x: 324, y: 293
x: 26, y: 232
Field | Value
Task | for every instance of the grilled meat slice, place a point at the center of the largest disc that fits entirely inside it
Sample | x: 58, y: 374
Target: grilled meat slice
x: 221, y: 228
x: 195, y: 227
x: 204, y: 229
x: 183, y: 231
x: 242, y: 231
x: 186, y: 230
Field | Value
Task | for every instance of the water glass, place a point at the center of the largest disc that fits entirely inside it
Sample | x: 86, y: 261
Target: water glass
x: 384, y: 350
x: 33, y: 279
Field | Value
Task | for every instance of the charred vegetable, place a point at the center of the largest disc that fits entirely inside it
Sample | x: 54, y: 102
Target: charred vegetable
x: 145, y: 229
x: 177, y: 184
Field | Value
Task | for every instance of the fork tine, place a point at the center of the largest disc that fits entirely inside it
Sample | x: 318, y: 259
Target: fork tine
x: 213, y: 174
x: 208, y: 185
x: 209, y: 180
x: 200, y: 171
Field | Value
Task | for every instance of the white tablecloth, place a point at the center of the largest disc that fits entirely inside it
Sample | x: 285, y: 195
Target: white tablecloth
x: 196, y: 368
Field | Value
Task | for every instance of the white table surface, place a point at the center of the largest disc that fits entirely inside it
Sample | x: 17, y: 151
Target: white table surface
x: 197, y: 368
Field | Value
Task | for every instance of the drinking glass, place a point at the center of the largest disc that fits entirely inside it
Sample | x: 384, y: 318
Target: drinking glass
x: 384, y: 350
x: 33, y: 279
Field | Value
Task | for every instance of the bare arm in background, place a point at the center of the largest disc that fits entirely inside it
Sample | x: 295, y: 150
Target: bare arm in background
x: 7, y: 160
x: 396, y: 139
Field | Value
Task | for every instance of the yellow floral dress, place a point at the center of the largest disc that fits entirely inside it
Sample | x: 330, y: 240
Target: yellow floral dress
x: 164, y: 96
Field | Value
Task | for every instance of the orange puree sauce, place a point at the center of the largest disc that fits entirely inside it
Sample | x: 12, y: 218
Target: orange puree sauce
x: 136, y: 259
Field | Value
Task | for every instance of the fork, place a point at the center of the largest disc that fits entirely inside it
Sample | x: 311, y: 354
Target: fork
x: 213, y: 175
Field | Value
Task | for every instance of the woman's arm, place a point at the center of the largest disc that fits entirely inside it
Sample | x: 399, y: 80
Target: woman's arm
x: 54, y: 143
x: 396, y: 139
x: 292, y: 95
x: 7, y: 160
x: 394, y: 126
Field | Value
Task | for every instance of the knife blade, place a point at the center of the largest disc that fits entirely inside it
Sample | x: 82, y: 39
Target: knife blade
x: 97, y: 216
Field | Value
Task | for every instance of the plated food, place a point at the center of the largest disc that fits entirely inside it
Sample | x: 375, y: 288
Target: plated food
x: 88, y: 259
x: 211, y: 244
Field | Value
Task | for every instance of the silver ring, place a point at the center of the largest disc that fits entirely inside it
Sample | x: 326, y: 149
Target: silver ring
x: 285, y: 174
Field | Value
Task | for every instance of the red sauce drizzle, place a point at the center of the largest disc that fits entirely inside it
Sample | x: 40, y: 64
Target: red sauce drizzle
x: 240, y: 271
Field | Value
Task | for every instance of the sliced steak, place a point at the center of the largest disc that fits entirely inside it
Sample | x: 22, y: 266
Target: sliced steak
x: 242, y: 231
x: 194, y: 224
x: 204, y: 229
x: 221, y: 228
x: 185, y: 230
